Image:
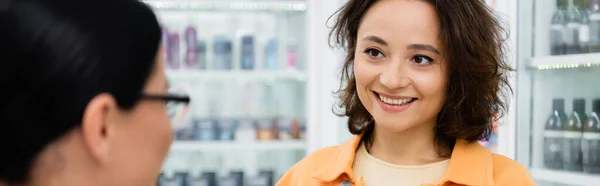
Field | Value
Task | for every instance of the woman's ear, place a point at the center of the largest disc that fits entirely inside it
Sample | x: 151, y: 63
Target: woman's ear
x: 97, y: 123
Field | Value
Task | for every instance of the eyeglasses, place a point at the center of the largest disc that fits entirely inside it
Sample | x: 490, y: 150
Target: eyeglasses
x: 177, y: 105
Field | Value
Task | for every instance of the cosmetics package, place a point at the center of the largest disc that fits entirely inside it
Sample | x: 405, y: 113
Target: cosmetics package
x: 235, y: 178
x: 265, y: 178
x: 181, y: 178
x: 206, y: 129
x: 245, y: 131
x: 186, y: 132
x: 173, y: 53
x: 227, y: 128
x: 247, y: 52
x: 202, y: 53
x: 170, y: 179
x: 222, y: 53
x: 191, y: 57
x: 205, y: 179
x: 271, y: 54
x: 292, y: 55
x: 164, y: 42
x: 264, y: 129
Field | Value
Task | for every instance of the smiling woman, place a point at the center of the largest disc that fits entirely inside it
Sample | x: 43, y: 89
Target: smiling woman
x: 423, y: 79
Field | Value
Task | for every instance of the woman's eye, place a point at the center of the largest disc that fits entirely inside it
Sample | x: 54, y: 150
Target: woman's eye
x: 374, y: 53
x: 422, y: 60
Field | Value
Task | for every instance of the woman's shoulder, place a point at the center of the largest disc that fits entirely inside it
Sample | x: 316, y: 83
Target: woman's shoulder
x: 317, y: 159
x: 323, y: 165
x: 305, y: 171
x: 510, y: 172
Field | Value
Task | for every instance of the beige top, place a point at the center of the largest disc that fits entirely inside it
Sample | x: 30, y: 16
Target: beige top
x: 376, y: 172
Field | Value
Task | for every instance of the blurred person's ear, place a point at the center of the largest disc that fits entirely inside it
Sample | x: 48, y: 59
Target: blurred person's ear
x: 97, y: 127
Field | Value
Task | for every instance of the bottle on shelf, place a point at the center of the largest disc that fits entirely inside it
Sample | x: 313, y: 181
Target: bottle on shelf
x: 573, y: 24
x: 553, y: 135
x: 173, y: 51
x: 557, y: 30
x: 292, y: 54
x: 191, y: 54
x: 584, y: 29
x: 591, y: 140
x: 573, y: 131
x: 271, y: 55
x: 247, y: 52
x: 202, y: 53
x: 222, y: 53
x: 594, y: 24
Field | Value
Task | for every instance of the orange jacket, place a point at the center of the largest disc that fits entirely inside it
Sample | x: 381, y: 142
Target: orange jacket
x: 470, y: 164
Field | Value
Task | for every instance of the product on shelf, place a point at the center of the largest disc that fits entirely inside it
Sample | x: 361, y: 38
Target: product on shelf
x: 264, y: 129
x: 205, y: 179
x: 173, y: 51
x: 247, y: 52
x: 227, y: 128
x: 573, y: 23
x: 292, y: 55
x: 302, y: 131
x: 206, y: 129
x: 191, y: 54
x: 265, y: 178
x: 202, y: 50
x: 553, y: 136
x: 170, y: 179
x: 164, y: 39
x: 591, y: 140
x: 185, y: 133
x: 271, y: 56
x: 557, y: 29
x: 288, y: 129
x: 572, y: 137
x: 210, y: 178
x: 245, y: 130
x: 594, y: 24
x: 235, y: 178
x: 222, y: 53
x: 584, y: 29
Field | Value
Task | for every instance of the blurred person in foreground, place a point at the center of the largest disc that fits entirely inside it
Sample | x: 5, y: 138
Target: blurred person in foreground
x: 423, y: 78
x: 84, y: 94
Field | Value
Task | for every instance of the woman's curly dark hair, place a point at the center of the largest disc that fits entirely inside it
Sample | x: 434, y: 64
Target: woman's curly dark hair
x: 472, y: 38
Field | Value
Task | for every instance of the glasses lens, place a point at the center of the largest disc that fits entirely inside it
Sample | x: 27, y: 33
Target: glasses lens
x: 178, y: 111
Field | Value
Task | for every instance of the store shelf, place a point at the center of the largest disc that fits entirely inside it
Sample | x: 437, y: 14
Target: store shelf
x: 566, y: 61
x: 236, y: 75
x: 195, y: 146
x: 234, y: 5
x: 564, y: 177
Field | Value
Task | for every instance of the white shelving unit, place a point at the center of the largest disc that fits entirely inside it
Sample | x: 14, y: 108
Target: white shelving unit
x: 563, y: 177
x: 237, y: 74
x: 566, y: 61
x: 209, y: 146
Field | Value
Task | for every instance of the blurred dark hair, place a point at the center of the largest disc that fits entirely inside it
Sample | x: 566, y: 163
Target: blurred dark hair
x: 56, y: 56
x: 472, y: 38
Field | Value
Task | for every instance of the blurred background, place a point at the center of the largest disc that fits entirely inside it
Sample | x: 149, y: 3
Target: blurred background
x: 262, y: 75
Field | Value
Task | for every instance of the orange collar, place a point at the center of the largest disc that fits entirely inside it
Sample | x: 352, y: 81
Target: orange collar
x: 470, y: 164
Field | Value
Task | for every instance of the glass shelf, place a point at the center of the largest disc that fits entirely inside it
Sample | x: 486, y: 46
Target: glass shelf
x: 212, y: 146
x: 566, y: 61
x: 220, y: 5
x: 254, y: 75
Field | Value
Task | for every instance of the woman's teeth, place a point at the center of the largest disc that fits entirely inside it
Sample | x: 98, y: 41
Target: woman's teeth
x: 395, y: 101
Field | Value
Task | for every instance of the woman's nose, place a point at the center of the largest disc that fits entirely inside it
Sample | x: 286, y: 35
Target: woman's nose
x: 393, y: 78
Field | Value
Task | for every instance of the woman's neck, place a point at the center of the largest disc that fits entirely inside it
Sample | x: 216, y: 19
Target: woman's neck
x: 414, y: 146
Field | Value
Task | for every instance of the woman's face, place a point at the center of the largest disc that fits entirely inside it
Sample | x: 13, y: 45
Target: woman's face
x: 401, y: 77
x: 144, y: 134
